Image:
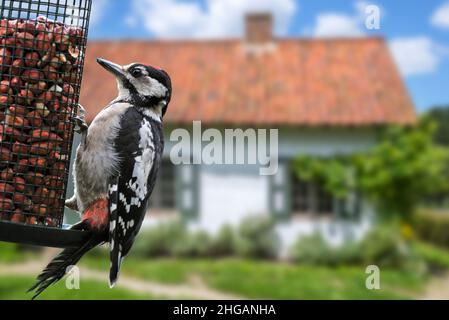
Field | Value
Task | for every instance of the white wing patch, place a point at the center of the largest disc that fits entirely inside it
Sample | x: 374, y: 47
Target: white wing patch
x: 142, y: 167
x: 143, y: 164
x: 127, y: 205
x: 122, y: 224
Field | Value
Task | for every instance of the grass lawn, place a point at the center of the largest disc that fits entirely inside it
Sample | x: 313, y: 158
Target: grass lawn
x: 250, y: 279
x: 268, y: 280
x: 433, y: 255
x: 10, y: 253
x: 14, y: 288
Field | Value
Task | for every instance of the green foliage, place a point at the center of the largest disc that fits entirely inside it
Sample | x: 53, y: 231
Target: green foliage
x: 441, y: 116
x: 201, y: 244
x: 11, y: 253
x: 334, y: 174
x: 435, y: 257
x: 314, y: 250
x: 432, y: 226
x: 223, y: 244
x: 399, y: 173
x: 257, y: 238
x: 193, y: 245
x: 385, y: 247
x: 310, y: 250
x: 159, y: 241
x: 174, y: 240
x: 403, y: 169
x: 382, y: 246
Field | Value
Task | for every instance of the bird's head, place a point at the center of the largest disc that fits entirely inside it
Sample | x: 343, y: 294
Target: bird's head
x: 143, y: 86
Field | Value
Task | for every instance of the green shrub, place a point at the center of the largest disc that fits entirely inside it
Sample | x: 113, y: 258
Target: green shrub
x: 159, y: 241
x: 432, y: 226
x: 314, y: 250
x: 435, y: 257
x: 311, y: 250
x: 223, y: 244
x: 193, y: 245
x: 382, y: 246
x: 174, y: 240
x: 257, y: 238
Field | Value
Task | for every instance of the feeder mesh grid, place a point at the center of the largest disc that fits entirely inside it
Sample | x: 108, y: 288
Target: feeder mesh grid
x: 42, y: 46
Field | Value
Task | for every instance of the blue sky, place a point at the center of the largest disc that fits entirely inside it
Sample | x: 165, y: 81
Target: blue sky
x: 417, y: 30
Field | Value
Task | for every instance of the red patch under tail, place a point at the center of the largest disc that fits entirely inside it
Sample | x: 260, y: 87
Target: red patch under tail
x: 97, y: 214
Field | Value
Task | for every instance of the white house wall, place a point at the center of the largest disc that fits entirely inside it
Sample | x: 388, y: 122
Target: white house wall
x: 335, y: 232
x: 227, y: 194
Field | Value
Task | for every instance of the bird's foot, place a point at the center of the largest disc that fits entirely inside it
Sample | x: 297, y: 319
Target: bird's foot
x: 72, y: 203
x: 81, y: 125
x: 80, y: 120
x: 97, y: 214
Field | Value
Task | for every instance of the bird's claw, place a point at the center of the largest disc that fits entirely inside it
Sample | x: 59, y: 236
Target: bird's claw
x: 81, y: 125
x: 80, y: 121
x: 72, y: 203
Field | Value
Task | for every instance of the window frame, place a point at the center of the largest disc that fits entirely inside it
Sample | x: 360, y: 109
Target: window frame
x: 314, y: 197
x: 157, y: 200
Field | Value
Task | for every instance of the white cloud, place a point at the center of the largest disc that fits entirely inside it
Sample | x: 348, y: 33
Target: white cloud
x: 441, y: 17
x: 98, y: 10
x: 130, y: 21
x: 335, y: 24
x: 216, y: 19
x: 416, y: 55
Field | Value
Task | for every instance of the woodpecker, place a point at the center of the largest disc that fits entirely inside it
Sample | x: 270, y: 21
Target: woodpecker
x: 115, y: 169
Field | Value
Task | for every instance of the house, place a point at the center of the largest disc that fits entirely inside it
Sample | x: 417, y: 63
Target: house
x: 325, y: 96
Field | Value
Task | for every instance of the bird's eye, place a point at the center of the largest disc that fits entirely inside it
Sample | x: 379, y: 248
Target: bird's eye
x: 136, y: 73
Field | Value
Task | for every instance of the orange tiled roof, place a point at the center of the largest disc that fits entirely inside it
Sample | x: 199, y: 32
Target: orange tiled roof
x: 333, y: 82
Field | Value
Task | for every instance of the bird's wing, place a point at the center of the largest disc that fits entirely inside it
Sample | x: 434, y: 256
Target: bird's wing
x: 138, y: 146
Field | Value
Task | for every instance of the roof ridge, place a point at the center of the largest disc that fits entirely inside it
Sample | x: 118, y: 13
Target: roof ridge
x: 236, y: 40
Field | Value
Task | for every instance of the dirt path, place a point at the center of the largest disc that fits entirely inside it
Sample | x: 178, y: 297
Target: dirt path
x: 437, y: 289
x: 195, y: 290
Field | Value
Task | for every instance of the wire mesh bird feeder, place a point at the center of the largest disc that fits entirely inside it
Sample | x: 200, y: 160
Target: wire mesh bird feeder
x: 42, y: 46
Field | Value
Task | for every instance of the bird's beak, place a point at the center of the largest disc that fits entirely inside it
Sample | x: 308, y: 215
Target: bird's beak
x: 113, y: 68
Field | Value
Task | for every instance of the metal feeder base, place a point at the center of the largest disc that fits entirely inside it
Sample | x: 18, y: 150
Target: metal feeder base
x: 41, y: 236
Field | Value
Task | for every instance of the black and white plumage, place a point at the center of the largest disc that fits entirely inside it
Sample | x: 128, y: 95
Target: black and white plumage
x: 129, y: 191
x: 116, y: 167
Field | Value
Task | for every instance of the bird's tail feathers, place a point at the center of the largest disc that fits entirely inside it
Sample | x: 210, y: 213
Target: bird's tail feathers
x: 57, y: 268
x: 116, y: 255
x: 114, y: 271
x: 114, y: 246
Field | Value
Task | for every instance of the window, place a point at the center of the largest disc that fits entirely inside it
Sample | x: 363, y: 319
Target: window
x: 310, y: 198
x: 324, y: 200
x: 164, y: 193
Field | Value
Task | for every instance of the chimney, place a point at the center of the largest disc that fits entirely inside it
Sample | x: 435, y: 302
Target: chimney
x: 259, y: 28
